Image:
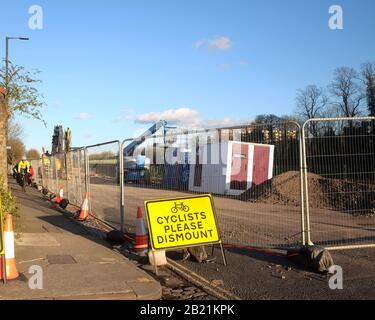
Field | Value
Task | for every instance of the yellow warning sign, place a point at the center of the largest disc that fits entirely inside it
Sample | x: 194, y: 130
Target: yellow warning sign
x: 182, y: 222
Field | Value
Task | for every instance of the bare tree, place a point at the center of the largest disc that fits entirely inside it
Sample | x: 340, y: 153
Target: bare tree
x: 15, y: 136
x: 32, y: 154
x: 347, y: 91
x: 311, y: 102
x: 15, y: 130
x: 368, y: 77
x: 17, y: 150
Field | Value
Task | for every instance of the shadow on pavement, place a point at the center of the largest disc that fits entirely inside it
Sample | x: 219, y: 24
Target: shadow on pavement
x: 55, y: 216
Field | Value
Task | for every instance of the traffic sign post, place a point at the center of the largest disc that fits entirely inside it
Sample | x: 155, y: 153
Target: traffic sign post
x: 182, y: 222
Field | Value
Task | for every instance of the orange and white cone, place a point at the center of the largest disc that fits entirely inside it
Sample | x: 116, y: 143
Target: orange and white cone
x: 61, y: 195
x: 141, y: 239
x: 84, y: 214
x: 10, y: 259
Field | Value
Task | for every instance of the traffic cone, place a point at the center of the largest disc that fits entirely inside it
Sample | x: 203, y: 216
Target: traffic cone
x: 61, y: 195
x: 141, y: 239
x: 10, y: 261
x: 84, y: 214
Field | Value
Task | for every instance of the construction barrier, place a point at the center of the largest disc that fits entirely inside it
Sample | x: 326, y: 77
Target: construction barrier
x: 274, y: 184
x: 253, y: 172
x: 38, y: 170
x: 339, y: 176
x: 75, y: 168
x: 103, y: 181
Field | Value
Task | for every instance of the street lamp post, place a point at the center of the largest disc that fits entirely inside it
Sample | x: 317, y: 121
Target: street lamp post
x: 7, y: 65
x: 4, y: 275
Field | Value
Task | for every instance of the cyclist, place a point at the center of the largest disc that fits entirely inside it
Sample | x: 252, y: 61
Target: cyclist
x: 23, y: 165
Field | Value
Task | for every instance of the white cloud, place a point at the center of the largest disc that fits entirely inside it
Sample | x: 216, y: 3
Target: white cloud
x: 176, y: 116
x: 186, y: 117
x: 215, y: 44
x: 83, y: 116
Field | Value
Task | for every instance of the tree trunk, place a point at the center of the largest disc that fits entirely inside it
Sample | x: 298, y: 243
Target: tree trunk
x: 3, y: 137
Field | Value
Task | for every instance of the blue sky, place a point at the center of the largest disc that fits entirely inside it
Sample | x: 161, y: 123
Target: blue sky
x: 110, y: 67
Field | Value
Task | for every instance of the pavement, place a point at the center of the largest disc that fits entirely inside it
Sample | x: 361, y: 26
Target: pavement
x: 75, y: 265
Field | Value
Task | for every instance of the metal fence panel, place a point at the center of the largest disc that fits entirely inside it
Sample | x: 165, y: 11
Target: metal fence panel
x: 75, y: 176
x: 103, y: 182
x: 38, y: 170
x: 339, y: 160
x: 49, y: 173
x: 61, y: 174
x: 253, y: 172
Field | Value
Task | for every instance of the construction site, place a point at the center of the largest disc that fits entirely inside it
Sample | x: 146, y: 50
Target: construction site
x: 264, y: 197
x: 191, y: 151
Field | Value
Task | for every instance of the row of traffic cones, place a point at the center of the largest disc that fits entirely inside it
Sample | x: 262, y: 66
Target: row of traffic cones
x: 10, y: 259
x: 83, y: 212
x: 141, y: 238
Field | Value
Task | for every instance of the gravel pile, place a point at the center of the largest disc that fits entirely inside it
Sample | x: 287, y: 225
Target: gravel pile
x: 324, y: 193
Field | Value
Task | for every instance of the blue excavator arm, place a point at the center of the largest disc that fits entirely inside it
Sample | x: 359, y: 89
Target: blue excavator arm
x: 129, y: 150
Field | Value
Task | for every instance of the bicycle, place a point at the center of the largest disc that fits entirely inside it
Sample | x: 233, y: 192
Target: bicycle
x: 23, y: 179
x: 181, y: 207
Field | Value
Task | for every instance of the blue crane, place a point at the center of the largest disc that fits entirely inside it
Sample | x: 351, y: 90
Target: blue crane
x: 129, y: 150
x: 138, y: 173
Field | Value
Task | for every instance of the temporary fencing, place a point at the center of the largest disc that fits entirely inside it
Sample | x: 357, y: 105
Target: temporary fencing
x: 38, y: 170
x: 274, y: 184
x: 103, y: 163
x: 75, y: 168
x: 237, y: 166
x: 339, y: 160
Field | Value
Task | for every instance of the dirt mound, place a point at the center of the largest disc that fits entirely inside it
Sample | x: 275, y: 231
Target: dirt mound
x: 325, y: 193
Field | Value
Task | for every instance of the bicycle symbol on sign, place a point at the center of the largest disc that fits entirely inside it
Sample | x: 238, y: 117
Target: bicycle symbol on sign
x: 181, y: 207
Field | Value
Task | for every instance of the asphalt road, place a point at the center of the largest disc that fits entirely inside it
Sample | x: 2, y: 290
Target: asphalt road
x: 259, y: 275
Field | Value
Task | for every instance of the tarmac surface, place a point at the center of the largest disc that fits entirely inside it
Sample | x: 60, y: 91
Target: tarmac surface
x: 75, y: 265
x: 252, y: 274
